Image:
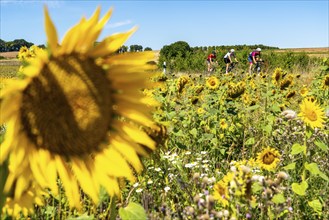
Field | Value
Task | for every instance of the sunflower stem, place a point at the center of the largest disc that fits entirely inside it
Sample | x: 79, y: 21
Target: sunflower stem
x: 113, y: 211
x: 3, y: 178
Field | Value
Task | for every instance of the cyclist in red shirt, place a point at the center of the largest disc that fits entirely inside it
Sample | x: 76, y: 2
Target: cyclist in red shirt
x: 211, y: 60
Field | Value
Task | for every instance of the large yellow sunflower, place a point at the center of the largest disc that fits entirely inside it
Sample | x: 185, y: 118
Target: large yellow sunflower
x: 268, y: 158
x: 77, y: 114
x: 311, y: 113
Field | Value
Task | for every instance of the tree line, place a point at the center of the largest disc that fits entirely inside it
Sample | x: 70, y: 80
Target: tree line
x: 15, y: 45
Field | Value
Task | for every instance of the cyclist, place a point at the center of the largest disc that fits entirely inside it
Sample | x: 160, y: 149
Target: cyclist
x: 211, y: 60
x: 228, y: 59
x: 252, y: 58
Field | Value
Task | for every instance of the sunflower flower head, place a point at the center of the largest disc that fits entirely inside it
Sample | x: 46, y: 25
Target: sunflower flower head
x: 268, y: 159
x: 236, y: 90
x: 277, y: 76
x: 286, y: 82
x: 78, y: 110
x: 223, y: 124
x: 311, y: 113
x: 182, y: 82
x: 325, y: 83
x: 291, y: 94
x: 212, y: 82
x: 304, y: 91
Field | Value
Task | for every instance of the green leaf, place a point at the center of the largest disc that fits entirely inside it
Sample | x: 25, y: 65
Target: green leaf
x: 299, y: 189
x: 256, y: 187
x: 313, y: 168
x: 324, y: 176
x: 297, y: 148
x: 278, y: 199
x: 308, y: 134
x: 254, y: 107
x: 194, y: 132
x: 268, y: 129
x: 290, y: 166
x: 250, y: 141
x: 179, y: 133
x: 321, y: 145
x: 316, y: 205
x: 276, y: 108
x: 133, y: 211
x: 84, y: 216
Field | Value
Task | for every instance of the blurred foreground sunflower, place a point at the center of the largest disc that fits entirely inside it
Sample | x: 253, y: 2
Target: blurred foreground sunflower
x: 77, y: 114
x: 311, y: 113
x: 268, y: 158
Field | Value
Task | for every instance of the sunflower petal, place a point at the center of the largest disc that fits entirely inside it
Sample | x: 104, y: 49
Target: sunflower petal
x: 111, y: 44
x: 85, y: 178
x: 69, y: 183
x: 51, y: 31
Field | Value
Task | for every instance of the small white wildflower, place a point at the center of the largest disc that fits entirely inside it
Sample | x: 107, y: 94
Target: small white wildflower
x: 167, y: 188
x: 205, y: 161
x: 198, y: 158
x: 150, y: 168
x: 135, y: 185
x: 212, y: 180
x: 190, y: 165
x: 245, y: 169
x: 187, y: 152
x: 150, y: 181
x: 174, y: 162
x: 204, y: 166
x: 203, y: 152
x: 233, y: 168
x: 226, y: 213
x: 157, y: 169
x: 166, y: 156
x: 139, y: 190
x: 289, y: 114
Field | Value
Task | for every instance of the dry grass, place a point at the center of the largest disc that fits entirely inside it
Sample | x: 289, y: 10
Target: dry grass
x: 9, y: 55
x: 313, y: 52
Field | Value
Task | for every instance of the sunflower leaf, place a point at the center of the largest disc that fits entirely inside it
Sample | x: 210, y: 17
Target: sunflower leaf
x: 297, y: 148
x: 250, y: 141
x: 290, y: 166
x: 321, y: 145
x: 316, y: 205
x: 132, y: 211
x: 278, y: 198
x: 299, y: 188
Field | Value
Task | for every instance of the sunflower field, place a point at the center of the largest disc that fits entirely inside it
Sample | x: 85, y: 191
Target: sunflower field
x: 89, y: 133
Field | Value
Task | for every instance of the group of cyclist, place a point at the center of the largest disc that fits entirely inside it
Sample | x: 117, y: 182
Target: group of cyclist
x: 228, y: 59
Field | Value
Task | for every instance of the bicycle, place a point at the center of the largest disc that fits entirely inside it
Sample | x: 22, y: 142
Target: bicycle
x: 258, y: 66
x: 231, y: 66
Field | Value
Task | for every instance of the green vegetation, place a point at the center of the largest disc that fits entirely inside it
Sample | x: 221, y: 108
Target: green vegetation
x: 180, y: 57
x: 229, y: 146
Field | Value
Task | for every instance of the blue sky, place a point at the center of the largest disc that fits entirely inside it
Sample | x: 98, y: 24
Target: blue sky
x: 285, y: 24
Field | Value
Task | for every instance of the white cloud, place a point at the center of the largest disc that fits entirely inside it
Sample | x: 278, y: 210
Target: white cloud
x: 118, y: 24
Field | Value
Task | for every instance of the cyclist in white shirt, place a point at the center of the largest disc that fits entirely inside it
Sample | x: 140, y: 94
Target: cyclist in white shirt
x: 228, y: 59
